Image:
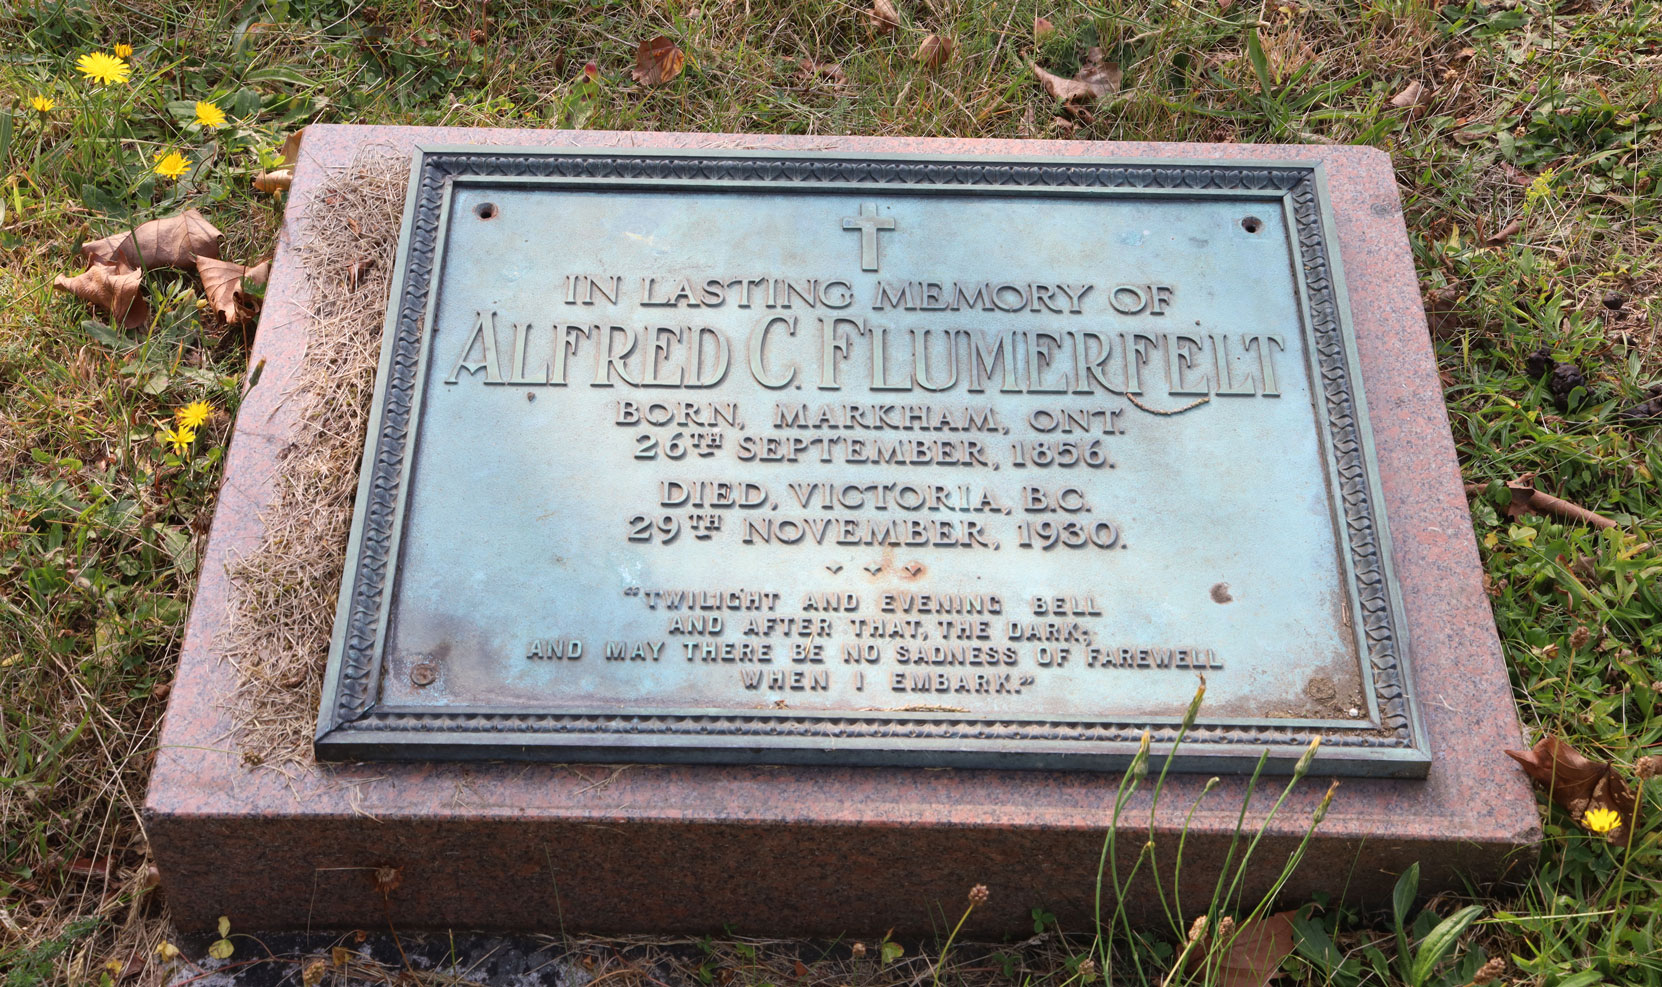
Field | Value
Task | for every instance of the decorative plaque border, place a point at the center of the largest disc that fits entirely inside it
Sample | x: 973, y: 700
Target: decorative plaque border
x: 353, y: 724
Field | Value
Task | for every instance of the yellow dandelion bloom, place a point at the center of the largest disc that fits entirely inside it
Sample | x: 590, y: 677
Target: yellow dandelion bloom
x: 123, y: 51
x: 1601, y: 820
x: 173, y: 165
x: 209, y: 115
x: 43, y: 104
x: 103, y: 68
x: 179, y: 438
x: 193, y: 414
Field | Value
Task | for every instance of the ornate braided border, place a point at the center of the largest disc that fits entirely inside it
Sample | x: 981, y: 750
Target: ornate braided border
x: 1382, y: 626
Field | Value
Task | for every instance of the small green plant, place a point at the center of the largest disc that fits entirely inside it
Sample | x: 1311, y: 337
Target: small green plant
x: 1420, y: 950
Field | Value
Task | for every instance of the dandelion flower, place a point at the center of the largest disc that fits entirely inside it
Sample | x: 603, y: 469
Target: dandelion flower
x: 106, y: 69
x: 43, y: 104
x: 173, y: 165
x: 209, y: 115
x: 1601, y: 821
x: 123, y: 51
x: 179, y: 438
x: 193, y: 414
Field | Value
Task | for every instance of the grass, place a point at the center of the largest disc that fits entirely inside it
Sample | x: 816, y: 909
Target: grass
x: 1528, y: 165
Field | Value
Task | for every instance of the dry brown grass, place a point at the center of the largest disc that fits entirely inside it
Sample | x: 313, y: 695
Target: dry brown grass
x: 283, y: 598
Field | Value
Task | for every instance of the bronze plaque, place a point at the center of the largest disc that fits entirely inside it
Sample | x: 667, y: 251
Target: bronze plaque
x: 782, y: 458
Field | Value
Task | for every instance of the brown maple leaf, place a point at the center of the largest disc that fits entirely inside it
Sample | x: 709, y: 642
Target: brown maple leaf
x: 114, y: 287
x: 172, y: 241
x: 658, y: 61
x: 1576, y: 781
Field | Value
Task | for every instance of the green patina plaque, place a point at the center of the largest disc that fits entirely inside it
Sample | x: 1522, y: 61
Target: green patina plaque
x: 742, y: 457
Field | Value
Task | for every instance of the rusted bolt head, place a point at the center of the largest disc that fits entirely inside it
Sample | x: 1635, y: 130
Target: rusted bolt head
x: 424, y: 673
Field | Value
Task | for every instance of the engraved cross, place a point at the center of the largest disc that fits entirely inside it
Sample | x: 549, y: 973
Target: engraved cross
x: 868, y: 223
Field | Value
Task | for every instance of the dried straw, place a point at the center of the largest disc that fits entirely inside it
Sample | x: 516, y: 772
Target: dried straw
x: 283, y: 593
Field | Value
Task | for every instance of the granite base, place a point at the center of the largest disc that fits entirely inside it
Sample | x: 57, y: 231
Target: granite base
x: 826, y: 850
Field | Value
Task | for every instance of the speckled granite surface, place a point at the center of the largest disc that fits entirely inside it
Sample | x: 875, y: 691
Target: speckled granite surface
x: 827, y: 850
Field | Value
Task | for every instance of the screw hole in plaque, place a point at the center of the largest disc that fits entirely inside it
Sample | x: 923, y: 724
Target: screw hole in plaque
x: 485, y: 210
x: 1252, y: 224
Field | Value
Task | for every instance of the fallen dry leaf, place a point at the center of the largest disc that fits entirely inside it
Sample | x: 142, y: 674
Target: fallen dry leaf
x: 1042, y: 29
x: 1410, y: 97
x: 272, y: 182
x: 1071, y: 90
x: 112, y: 287
x: 881, y: 18
x: 1505, y: 233
x: 91, y: 866
x: 222, y: 285
x: 1528, y: 500
x: 291, y: 149
x: 1096, y: 78
x: 1576, y: 781
x: 1441, y: 308
x: 935, y: 51
x: 658, y: 61
x: 807, y: 69
x: 280, y: 177
x: 1255, y: 953
x: 172, y: 241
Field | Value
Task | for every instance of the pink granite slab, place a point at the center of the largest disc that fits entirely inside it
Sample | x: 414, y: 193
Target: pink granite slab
x: 797, y: 850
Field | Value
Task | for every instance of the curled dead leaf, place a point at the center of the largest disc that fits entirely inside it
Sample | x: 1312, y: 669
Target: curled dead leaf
x: 881, y: 18
x: 1410, y: 97
x: 272, y: 182
x: 222, y: 285
x: 1442, y: 309
x: 1525, y: 499
x: 291, y: 149
x: 114, y: 288
x: 1253, y: 955
x: 1097, y: 77
x: 935, y: 51
x: 1505, y: 233
x: 658, y: 61
x: 172, y: 241
x: 808, y: 69
x: 1576, y: 781
x: 1073, y: 90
